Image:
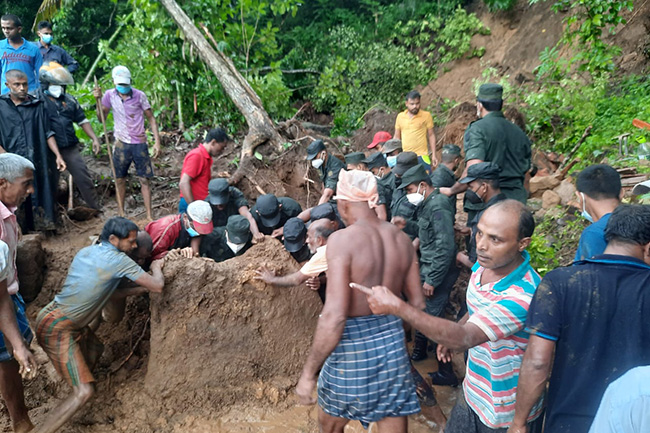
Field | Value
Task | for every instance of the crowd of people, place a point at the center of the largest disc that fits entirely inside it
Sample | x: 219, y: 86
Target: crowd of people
x: 382, y: 248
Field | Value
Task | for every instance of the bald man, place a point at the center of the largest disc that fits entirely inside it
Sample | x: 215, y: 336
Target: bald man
x: 500, y: 289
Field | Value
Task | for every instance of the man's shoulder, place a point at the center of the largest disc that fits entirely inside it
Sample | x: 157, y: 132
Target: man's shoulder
x: 139, y: 93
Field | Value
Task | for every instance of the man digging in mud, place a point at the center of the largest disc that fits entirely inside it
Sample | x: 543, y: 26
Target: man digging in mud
x: 62, y: 325
x: 355, y: 383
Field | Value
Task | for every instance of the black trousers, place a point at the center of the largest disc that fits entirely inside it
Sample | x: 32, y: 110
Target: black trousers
x: 80, y: 175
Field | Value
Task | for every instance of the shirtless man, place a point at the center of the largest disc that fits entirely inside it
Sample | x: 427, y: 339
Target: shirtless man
x: 368, y: 251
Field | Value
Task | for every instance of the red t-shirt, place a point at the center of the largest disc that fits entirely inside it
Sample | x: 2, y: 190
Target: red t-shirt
x: 198, y: 166
x: 164, y: 233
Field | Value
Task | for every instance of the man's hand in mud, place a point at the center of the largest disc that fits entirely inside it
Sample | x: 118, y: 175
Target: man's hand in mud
x: 259, y: 237
x: 443, y: 353
x: 380, y: 299
x: 186, y: 253
x: 399, y: 222
x: 427, y: 290
x: 264, y: 274
x: 305, y: 390
x: 313, y: 283
x: 277, y: 232
x: 27, y: 362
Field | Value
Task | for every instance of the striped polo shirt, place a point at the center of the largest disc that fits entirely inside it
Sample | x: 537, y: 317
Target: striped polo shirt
x: 499, y: 309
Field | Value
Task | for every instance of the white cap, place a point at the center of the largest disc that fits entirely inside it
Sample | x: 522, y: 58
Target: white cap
x: 121, y: 75
x: 201, y: 213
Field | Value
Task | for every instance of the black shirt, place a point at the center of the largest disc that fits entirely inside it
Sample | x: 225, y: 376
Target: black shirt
x: 215, y: 247
x: 64, y: 112
x: 597, y: 313
x: 290, y: 208
x: 235, y: 201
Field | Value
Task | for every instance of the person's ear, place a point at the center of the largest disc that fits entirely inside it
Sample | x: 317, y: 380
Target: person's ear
x: 524, y: 243
x: 114, y: 240
x: 646, y: 253
x: 3, y: 183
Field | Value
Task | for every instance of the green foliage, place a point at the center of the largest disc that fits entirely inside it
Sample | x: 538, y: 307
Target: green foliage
x: 585, y: 24
x: 275, y: 95
x: 361, y: 74
x: 555, y: 241
x: 441, y: 39
x: 558, y: 116
x: 504, y: 5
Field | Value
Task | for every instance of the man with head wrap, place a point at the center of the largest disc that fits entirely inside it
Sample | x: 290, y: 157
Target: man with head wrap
x: 384, y: 391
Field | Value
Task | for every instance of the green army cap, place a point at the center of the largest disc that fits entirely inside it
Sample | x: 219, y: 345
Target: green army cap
x: 239, y: 229
x: 414, y: 174
x: 490, y: 92
x: 354, y: 158
x: 451, y: 149
x: 482, y: 170
x: 375, y: 160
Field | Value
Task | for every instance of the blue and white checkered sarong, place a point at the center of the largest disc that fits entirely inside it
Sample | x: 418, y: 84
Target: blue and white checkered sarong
x: 23, y: 327
x: 368, y: 376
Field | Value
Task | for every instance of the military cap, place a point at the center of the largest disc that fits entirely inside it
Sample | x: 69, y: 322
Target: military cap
x: 218, y: 191
x: 490, y: 92
x: 239, y: 229
x: 391, y: 146
x: 294, y: 234
x: 376, y: 160
x: 415, y: 174
x: 354, y: 158
x: 268, y: 207
x: 314, y: 148
x: 482, y: 170
x: 405, y: 160
x: 451, y: 149
x: 325, y: 210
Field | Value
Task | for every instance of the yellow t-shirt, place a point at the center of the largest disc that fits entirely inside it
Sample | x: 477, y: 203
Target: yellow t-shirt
x: 414, y: 131
x: 317, y: 263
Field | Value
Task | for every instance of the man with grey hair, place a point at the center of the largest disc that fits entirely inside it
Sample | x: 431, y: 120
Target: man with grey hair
x: 25, y: 130
x: 16, y: 176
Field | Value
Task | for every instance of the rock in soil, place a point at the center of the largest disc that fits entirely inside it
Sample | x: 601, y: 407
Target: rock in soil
x: 30, y: 262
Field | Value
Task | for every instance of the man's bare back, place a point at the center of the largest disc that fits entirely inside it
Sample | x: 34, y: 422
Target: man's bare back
x: 371, y: 252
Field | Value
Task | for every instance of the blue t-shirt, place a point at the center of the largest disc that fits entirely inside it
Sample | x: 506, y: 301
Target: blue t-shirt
x: 26, y: 58
x: 597, y: 313
x: 92, y: 278
x: 592, y: 240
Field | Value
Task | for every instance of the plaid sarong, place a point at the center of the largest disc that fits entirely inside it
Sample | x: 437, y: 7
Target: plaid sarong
x: 368, y: 376
x: 23, y: 327
x: 72, y: 350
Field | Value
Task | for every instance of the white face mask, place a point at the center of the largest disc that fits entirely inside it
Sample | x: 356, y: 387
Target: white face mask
x: 478, y: 111
x: 391, y: 160
x: 380, y: 173
x: 235, y: 248
x: 317, y: 163
x: 585, y: 214
x: 55, y: 90
x: 415, y: 198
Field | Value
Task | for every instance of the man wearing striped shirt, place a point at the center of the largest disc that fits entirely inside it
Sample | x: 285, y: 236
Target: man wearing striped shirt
x: 499, y: 294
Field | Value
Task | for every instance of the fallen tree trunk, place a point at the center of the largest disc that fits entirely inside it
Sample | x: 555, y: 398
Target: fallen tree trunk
x: 260, y: 126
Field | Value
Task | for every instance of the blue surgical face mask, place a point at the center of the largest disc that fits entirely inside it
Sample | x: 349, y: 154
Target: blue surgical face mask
x: 391, y: 160
x: 585, y: 214
x: 123, y: 89
x: 193, y: 233
x: 47, y: 38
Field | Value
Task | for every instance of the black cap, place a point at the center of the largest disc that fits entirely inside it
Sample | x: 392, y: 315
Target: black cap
x: 376, y: 160
x: 354, y: 158
x: 325, y: 210
x: 440, y: 179
x: 490, y: 92
x: 482, y: 170
x: 239, y: 229
x: 414, y: 174
x: 218, y: 191
x: 269, y: 210
x: 295, y: 234
x: 405, y: 160
x: 314, y: 148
